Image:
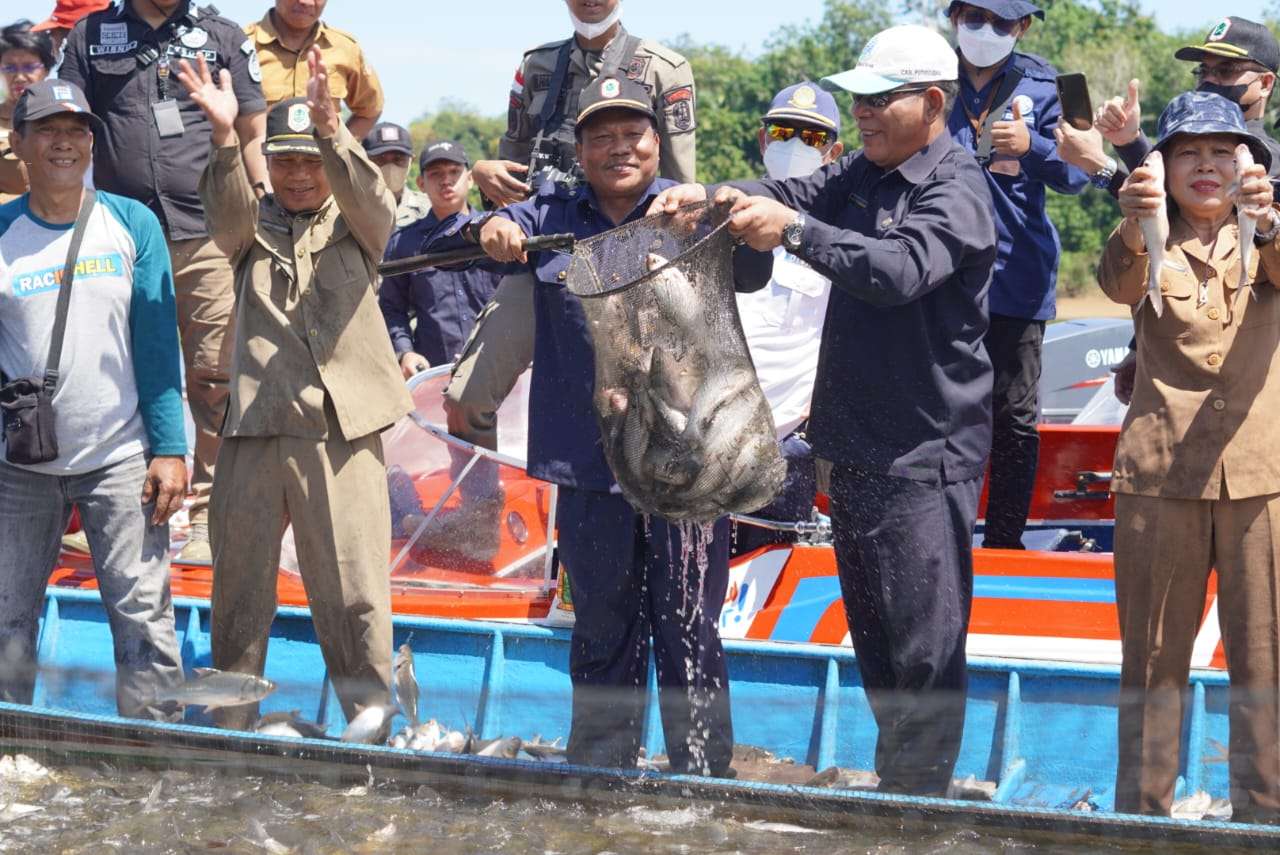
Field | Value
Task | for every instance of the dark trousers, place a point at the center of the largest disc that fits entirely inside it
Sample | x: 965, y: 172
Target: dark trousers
x: 793, y: 504
x: 1014, y: 345
x: 629, y: 584
x: 905, y: 558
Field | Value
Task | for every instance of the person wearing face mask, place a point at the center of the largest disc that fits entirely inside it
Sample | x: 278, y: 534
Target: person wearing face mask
x: 26, y: 57
x: 783, y: 321
x: 390, y: 148
x: 1006, y: 115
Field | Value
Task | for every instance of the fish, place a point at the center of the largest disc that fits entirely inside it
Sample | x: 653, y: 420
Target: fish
x: 213, y: 689
x: 289, y: 724
x: 505, y: 748
x: 406, y: 684
x: 368, y: 725
x: 262, y: 840
x: 454, y: 742
x: 16, y: 810
x: 426, y: 737
x: 1155, y: 232
x: 1248, y: 225
x: 673, y: 293
x: 540, y: 750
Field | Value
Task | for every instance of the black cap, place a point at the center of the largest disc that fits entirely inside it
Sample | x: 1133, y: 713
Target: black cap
x: 1236, y: 38
x: 442, y: 150
x: 51, y: 98
x: 614, y: 93
x: 289, y: 129
x: 386, y: 137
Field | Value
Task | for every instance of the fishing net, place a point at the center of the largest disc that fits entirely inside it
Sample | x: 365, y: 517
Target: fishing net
x: 685, y: 427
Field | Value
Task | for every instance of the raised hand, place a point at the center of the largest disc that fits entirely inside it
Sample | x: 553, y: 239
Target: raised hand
x: 217, y: 100
x: 324, y: 112
x: 1120, y: 119
x: 1011, y: 137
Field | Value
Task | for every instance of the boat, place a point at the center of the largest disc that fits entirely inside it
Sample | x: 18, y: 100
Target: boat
x: 1038, y: 754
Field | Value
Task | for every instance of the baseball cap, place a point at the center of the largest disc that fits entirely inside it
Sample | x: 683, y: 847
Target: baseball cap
x: 614, y: 93
x: 1010, y: 10
x: 1236, y: 38
x: 896, y: 57
x: 385, y: 137
x: 289, y: 129
x: 442, y: 150
x: 67, y: 12
x: 51, y: 97
x: 1201, y: 113
x: 805, y: 102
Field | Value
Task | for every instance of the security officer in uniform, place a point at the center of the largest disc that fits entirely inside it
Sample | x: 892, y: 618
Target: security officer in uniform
x: 902, y: 405
x: 390, y: 147
x: 315, y: 383
x: 1006, y: 114
x: 125, y: 59
x: 624, y: 569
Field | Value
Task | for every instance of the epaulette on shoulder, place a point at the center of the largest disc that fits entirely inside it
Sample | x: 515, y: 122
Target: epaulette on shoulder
x: 1036, y: 67
x: 331, y: 30
x: 663, y: 53
x: 556, y: 45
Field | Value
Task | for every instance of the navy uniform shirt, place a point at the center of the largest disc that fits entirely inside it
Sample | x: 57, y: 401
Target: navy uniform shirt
x: 1026, y: 273
x: 904, y: 382
x: 131, y: 158
x: 445, y: 302
x: 564, y: 436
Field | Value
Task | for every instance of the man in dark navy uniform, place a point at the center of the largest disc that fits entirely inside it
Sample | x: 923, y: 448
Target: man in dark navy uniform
x: 624, y: 570
x: 902, y: 405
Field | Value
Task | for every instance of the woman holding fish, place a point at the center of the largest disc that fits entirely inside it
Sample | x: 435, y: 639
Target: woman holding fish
x: 1196, y: 477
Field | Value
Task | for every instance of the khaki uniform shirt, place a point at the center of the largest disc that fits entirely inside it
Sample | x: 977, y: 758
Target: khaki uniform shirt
x: 284, y: 72
x: 1205, y: 413
x: 666, y: 74
x: 12, y: 177
x: 308, y: 328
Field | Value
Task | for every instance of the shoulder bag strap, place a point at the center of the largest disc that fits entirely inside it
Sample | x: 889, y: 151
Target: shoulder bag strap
x: 64, y: 292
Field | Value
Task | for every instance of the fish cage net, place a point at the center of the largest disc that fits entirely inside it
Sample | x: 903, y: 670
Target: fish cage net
x: 686, y: 429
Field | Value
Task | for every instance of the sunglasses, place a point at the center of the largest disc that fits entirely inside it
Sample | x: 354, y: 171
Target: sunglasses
x: 883, y: 99
x: 974, y: 19
x: 25, y: 68
x: 1225, y: 71
x: 816, y: 137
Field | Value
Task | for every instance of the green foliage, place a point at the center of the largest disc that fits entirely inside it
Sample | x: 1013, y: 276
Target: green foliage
x: 1111, y: 41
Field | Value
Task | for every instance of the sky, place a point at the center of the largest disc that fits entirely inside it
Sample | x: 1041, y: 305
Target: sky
x: 426, y: 51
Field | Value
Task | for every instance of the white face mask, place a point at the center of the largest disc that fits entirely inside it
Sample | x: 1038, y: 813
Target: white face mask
x: 592, y: 31
x: 791, y: 159
x: 985, y: 47
x: 395, y: 175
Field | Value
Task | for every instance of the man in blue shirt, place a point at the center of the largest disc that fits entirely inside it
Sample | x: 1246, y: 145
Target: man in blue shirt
x: 445, y: 302
x: 623, y: 569
x: 1006, y: 115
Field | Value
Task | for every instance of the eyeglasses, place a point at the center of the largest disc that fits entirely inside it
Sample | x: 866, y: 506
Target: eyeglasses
x: 882, y: 100
x: 25, y: 68
x: 816, y: 137
x: 1225, y: 71
x: 974, y: 19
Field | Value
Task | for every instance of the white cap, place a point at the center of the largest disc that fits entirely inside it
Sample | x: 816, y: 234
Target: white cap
x: 895, y: 57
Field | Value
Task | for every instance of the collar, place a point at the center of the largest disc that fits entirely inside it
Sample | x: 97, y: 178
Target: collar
x: 267, y: 33
x: 921, y: 165
x: 1008, y: 63
x: 587, y: 201
x: 1184, y: 237
x: 183, y: 12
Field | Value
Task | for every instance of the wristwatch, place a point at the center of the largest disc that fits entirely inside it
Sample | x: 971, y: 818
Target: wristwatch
x: 793, y: 234
x: 1102, y: 178
x: 1262, y: 238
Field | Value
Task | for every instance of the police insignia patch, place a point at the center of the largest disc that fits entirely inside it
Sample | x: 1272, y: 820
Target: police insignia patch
x: 638, y: 68
x: 610, y: 88
x: 255, y: 69
x: 805, y: 98
x: 299, y: 117
x: 196, y: 38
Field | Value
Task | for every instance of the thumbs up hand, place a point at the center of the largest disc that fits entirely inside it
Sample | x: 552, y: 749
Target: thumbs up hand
x: 1011, y: 137
x: 1119, y: 118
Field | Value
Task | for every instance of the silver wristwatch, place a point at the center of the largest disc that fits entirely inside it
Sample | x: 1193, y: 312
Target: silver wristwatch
x: 793, y: 234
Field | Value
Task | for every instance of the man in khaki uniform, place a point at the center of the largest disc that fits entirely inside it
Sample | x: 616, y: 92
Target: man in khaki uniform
x: 283, y: 38
x: 1196, y: 476
x: 314, y: 381
x: 501, y: 346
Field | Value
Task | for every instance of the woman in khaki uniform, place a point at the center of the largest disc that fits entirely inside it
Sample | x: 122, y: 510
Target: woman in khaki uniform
x: 1197, y: 477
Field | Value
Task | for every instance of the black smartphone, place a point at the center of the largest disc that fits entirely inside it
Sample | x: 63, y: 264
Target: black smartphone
x: 1073, y: 95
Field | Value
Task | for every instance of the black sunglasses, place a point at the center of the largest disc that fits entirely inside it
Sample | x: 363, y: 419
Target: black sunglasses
x: 883, y: 99
x: 973, y: 19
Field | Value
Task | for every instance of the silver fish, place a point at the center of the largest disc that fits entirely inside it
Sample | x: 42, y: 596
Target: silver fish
x: 289, y: 724
x: 454, y: 742
x: 368, y: 725
x: 506, y: 748
x: 213, y: 689
x: 406, y: 684
x: 673, y: 293
x: 1155, y: 231
x: 1248, y: 225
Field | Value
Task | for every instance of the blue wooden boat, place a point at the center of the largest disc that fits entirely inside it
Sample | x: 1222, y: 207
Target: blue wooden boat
x: 1043, y: 734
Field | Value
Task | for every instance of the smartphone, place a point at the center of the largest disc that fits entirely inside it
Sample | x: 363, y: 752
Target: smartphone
x: 1073, y: 95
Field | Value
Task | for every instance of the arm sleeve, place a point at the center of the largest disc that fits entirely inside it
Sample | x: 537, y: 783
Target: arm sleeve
x: 1269, y: 257
x: 677, y: 123
x: 948, y: 223
x: 395, y: 299
x: 75, y: 62
x: 820, y: 194
x: 515, y: 144
x: 1042, y: 161
x: 1134, y: 153
x: 230, y: 208
x: 360, y: 191
x: 248, y: 91
x: 153, y: 329
x: 364, y: 91
x: 1122, y: 273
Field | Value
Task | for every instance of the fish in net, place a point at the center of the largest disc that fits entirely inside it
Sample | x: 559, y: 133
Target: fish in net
x: 686, y: 429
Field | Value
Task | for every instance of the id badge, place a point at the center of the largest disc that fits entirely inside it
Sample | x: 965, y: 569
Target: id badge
x: 168, y: 118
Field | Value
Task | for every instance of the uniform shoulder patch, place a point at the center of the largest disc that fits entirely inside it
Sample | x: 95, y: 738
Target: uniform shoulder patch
x: 247, y: 48
x: 663, y: 53
x: 678, y: 109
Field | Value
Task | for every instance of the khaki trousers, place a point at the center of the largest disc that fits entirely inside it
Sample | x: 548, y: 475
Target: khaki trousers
x: 335, y: 494
x: 1163, y: 554
x: 498, y: 351
x: 205, y: 288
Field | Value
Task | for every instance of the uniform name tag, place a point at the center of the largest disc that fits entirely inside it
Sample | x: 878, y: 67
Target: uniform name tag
x: 168, y: 118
